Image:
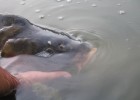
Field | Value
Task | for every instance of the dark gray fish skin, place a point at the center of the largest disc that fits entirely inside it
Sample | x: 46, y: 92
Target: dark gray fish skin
x: 43, y: 39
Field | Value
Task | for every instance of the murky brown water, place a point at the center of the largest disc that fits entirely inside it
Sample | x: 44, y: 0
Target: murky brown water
x: 110, y: 25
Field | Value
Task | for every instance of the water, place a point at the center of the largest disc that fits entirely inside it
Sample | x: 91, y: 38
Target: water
x: 111, y: 25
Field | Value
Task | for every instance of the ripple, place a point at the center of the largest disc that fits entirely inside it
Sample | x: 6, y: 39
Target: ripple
x: 85, y: 35
x: 105, y: 48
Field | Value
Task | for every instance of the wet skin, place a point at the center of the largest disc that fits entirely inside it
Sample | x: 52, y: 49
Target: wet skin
x: 28, y: 69
x: 19, y: 37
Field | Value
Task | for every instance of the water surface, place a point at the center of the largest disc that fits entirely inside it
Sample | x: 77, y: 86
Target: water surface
x: 113, y: 26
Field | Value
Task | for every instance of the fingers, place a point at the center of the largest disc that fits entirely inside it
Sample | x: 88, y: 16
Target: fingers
x: 38, y: 76
x: 8, y: 32
x: 18, y: 46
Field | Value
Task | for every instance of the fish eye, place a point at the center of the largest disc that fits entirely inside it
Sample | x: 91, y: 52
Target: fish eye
x: 61, y: 47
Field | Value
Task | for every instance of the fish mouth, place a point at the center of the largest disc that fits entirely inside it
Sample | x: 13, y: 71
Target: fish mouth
x: 83, y: 59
